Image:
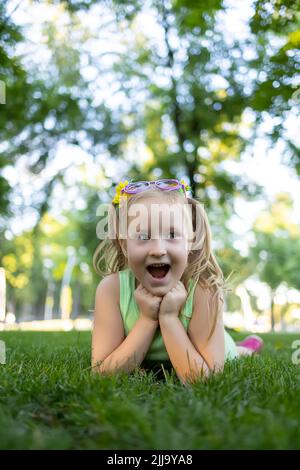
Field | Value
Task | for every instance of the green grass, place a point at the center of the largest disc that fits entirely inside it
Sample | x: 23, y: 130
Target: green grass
x: 49, y: 400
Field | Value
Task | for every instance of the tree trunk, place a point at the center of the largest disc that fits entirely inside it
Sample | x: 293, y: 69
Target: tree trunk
x: 272, y: 310
x: 176, y: 114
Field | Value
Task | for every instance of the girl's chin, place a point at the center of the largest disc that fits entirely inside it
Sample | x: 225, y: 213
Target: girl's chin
x: 160, y: 289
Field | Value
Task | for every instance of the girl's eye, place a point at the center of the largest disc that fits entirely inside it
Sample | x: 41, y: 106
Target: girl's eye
x: 143, y: 236
x: 172, y: 235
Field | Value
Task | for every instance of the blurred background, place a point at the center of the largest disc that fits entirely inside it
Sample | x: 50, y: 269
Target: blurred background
x: 93, y: 92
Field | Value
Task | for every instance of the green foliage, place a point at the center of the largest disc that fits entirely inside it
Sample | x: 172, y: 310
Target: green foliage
x: 23, y: 265
x: 276, y: 25
x: 188, y: 112
x: 34, y: 258
x: 12, y: 74
x: 279, y: 258
x: 277, y: 246
x: 184, y: 101
x: 47, y: 105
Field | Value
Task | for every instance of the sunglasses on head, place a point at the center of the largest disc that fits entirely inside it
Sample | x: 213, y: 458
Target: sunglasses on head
x: 164, y: 184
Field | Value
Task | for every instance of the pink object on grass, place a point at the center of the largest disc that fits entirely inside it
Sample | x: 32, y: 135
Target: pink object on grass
x: 253, y: 342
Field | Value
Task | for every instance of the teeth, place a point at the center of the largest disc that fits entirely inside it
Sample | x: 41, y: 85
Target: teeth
x: 158, y: 264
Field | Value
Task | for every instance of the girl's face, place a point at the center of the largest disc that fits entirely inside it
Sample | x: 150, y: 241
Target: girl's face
x: 158, y: 233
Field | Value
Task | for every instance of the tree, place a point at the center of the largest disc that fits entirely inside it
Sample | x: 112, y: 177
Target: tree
x: 12, y: 72
x: 189, y: 88
x: 275, y: 26
x: 48, y: 104
x: 277, y: 248
x: 184, y: 104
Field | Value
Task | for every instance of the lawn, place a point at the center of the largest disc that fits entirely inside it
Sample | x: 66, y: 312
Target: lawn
x: 49, y: 400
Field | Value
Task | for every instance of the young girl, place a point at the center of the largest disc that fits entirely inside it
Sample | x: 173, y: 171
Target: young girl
x: 160, y: 298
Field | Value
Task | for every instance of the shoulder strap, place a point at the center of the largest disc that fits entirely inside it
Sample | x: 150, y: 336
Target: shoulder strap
x: 128, y: 306
x: 188, y: 308
x: 124, y: 291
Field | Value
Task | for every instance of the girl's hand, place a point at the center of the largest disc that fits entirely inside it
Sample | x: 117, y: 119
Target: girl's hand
x: 148, y: 303
x: 173, y: 300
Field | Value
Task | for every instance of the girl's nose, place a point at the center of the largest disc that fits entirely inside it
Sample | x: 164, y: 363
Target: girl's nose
x: 158, y: 247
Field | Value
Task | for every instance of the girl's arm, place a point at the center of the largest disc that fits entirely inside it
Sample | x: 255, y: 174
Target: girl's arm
x: 111, y: 351
x: 201, y: 324
x: 195, y: 357
x: 186, y: 360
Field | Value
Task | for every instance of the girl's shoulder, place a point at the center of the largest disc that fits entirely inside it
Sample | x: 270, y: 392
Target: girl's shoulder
x: 112, y: 282
x: 203, y: 294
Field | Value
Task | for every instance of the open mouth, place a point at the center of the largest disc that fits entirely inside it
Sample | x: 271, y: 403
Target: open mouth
x: 158, y: 270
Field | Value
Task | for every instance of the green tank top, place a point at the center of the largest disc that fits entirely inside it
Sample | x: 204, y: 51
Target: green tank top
x: 130, y: 313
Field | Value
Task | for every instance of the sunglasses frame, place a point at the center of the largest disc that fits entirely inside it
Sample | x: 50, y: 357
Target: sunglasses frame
x: 147, y: 184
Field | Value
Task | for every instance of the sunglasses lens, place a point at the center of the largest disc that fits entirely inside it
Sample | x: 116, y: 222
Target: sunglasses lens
x: 138, y: 186
x: 168, y: 184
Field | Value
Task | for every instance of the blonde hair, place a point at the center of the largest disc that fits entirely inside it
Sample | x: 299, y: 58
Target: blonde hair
x: 202, y: 266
